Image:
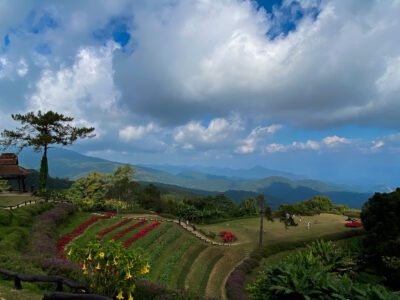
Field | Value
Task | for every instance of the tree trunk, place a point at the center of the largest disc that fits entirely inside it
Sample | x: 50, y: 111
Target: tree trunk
x: 44, y: 171
x: 260, y: 240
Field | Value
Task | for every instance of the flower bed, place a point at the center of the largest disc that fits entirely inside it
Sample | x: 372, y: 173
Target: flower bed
x: 111, y: 228
x: 65, y: 240
x: 353, y: 224
x: 129, y: 241
x: 227, y: 236
x: 129, y: 229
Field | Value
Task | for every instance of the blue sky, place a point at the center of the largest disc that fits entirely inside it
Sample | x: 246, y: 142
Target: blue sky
x: 307, y: 86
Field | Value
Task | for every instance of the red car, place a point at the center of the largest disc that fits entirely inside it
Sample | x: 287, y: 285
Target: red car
x: 353, y: 224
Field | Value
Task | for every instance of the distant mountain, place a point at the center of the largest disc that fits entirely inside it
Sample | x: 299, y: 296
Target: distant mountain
x: 279, y: 189
x: 256, y: 172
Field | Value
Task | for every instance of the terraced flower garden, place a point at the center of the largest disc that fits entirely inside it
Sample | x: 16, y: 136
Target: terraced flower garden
x: 181, y: 260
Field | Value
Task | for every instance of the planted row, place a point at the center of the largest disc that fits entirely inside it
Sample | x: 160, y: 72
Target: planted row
x: 170, y: 264
x: 129, y: 241
x: 127, y: 230
x: 111, y: 228
x: 65, y: 240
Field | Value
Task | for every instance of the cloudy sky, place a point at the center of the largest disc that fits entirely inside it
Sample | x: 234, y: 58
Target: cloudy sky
x: 311, y: 87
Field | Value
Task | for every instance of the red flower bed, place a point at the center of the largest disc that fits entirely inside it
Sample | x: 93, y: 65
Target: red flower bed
x: 227, y: 236
x: 353, y: 224
x: 126, y: 230
x: 111, y: 228
x: 66, y: 239
x: 129, y: 241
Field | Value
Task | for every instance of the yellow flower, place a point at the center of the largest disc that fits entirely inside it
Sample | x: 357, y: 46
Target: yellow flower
x: 130, y: 297
x: 115, y: 262
x: 85, y: 272
x: 89, y: 257
x: 69, y: 252
x: 84, y: 267
x: 119, y: 296
x: 98, y: 266
x: 101, y: 254
x: 145, y: 269
x: 128, y: 276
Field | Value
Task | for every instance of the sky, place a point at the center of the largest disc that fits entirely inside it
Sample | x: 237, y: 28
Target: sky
x: 311, y: 87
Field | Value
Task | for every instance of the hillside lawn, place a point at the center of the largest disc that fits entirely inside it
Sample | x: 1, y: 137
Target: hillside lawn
x: 179, y: 260
x: 14, y: 199
x: 29, y: 291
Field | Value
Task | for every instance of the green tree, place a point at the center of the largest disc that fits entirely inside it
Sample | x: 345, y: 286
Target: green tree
x: 40, y: 131
x: 121, y: 186
x: 265, y: 212
x: 89, y: 193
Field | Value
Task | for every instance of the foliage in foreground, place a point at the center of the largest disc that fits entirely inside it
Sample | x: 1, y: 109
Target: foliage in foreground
x: 109, y: 268
x: 320, y: 272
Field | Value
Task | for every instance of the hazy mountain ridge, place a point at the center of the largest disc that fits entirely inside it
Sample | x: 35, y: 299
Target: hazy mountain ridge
x: 65, y: 163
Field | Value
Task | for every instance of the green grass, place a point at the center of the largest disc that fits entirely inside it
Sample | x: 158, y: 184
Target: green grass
x: 187, y: 264
x: 206, y: 275
x: 13, y: 200
x: 29, y: 292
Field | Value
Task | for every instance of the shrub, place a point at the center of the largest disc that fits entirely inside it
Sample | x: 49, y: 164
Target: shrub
x: 110, y: 268
x: 5, y: 217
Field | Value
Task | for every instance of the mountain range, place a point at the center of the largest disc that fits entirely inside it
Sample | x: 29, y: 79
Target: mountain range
x: 278, y: 187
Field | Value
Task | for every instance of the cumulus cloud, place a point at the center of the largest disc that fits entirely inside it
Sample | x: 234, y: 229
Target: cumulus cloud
x: 130, y: 133
x: 84, y: 90
x: 220, y: 132
x: 250, y: 143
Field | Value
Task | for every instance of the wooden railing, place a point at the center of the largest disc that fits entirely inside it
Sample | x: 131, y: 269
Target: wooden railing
x: 60, y: 281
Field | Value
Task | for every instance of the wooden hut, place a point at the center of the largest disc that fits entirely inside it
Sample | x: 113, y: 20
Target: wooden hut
x: 9, y: 169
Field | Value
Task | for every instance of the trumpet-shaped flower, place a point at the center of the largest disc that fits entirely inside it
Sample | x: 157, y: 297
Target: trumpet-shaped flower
x: 101, y: 254
x: 120, y: 296
x: 130, y: 297
x: 128, y: 276
x: 89, y: 256
x: 69, y: 252
x: 98, y: 266
x: 145, y: 269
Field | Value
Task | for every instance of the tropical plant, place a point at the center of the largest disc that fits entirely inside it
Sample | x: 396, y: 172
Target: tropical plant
x: 109, y: 268
x: 40, y: 131
x: 4, y: 186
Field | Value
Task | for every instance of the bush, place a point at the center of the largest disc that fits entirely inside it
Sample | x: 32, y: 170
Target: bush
x: 5, y: 217
x: 15, y: 240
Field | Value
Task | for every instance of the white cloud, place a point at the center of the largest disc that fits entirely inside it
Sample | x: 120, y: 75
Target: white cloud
x: 250, y: 143
x: 130, y: 133
x: 218, y: 133
x: 377, y: 145
x: 332, y: 141
x: 84, y: 90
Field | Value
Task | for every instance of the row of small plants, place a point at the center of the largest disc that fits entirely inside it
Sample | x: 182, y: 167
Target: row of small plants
x: 206, y: 275
x: 65, y: 240
x: 140, y: 234
x: 162, y: 245
x: 153, y: 236
x: 104, y: 232
x: 188, y: 265
x: 171, y: 263
x: 123, y: 232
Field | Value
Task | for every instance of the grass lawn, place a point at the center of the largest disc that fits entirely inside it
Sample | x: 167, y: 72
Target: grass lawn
x: 29, y: 291
x: 11, y: 200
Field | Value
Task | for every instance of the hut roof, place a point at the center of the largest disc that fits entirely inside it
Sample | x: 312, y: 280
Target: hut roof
x: 9, y: 165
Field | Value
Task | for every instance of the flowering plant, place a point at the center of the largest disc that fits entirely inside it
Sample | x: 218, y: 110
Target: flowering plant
x: 109, y: 268
x: 227, y: 236
x: 129, y: 241
x: 111, y: 228
x: 120, y: 234
x: 65, y: 240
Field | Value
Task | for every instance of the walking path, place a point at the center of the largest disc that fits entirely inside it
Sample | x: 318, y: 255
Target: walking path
x: 189, y: 229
